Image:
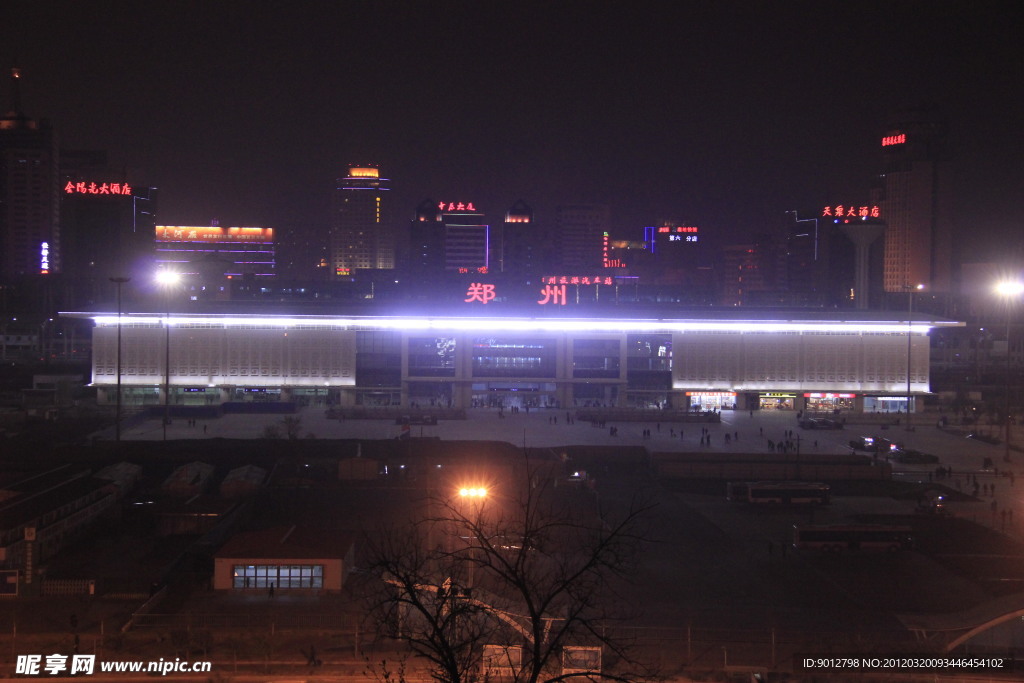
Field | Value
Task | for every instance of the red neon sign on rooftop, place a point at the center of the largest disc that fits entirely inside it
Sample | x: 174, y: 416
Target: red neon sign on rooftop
x: 852, y: 211
x: 101, y: 188
x: 899, y: 139
x: 456, y: 206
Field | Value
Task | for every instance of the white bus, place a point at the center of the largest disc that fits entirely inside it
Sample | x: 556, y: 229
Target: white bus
x: 863, y: 537
x: 778, y: 492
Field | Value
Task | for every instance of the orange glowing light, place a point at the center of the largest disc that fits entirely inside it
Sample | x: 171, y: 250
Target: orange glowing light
x: 363, y: 173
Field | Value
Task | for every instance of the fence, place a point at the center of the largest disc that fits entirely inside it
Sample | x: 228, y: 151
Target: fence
x: 64, y: 587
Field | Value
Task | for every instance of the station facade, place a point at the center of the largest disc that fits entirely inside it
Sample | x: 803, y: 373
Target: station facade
x: 808, y: 363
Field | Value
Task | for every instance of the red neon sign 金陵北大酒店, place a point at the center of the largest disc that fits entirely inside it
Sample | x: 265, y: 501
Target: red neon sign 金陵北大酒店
x: 101, y: 188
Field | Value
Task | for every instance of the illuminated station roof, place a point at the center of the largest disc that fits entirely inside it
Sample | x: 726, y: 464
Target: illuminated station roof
x: 604, y: 320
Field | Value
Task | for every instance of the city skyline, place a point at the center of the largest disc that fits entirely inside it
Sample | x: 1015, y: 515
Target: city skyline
x: 725, y: 117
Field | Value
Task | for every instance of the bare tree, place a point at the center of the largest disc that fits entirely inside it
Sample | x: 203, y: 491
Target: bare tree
x: 509, y: 582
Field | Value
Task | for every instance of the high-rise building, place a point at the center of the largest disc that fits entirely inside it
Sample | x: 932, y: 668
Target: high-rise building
x: 754, y: 274
x: 426, y: 239
x: 209, y: 254
x: 518, y: 246
x: 106, y: 225
x: 915, y: 195
x: 361, y: 236
x: 29, y: 193
x: 582, y: 231
x: 467, y: 238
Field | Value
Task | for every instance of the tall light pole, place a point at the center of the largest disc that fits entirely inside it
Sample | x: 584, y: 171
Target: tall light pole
x: 167, y: 279
x: 117, y: 416
x: 1009, y: 290
x: 910, y: 338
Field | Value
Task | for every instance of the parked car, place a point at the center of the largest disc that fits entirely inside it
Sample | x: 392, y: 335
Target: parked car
x: 820, y: 423
x: 873, y: 444
x: 912, y: 457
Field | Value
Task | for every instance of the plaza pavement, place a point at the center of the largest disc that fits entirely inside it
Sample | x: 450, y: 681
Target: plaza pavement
x: 750, y: 433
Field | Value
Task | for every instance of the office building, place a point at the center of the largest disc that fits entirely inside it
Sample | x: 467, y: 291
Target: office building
x: 361, y: 236
x: 106, y: 225
x: 426, y: 239
x: 915, y: 195
x: 519, y: 246
x: 29, y: 192
x: 208, y: 254
x: 467, y: 238
x: 583, y: 233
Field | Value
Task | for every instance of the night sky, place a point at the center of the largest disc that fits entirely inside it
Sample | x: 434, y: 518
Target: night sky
x: 720, y: 114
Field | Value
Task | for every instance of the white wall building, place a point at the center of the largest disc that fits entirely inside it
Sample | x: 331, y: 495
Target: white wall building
x: 852, y: 361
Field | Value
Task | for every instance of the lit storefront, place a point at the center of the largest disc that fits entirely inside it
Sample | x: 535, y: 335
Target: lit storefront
x: 821, y: 402
x: 712, y: 400
x: 777, y: 401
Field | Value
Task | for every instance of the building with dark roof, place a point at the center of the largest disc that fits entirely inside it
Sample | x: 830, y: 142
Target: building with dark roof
x: 284, y: 558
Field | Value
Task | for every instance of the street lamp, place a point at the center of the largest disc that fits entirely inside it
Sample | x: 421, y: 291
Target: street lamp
x: 167, y: 279
x: 910, y: 338
x: 473, y: 495
x: 1009, y: 290
x: 117, y: 417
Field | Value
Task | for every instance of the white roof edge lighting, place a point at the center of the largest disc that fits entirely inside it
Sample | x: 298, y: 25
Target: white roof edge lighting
x: 520, y: 324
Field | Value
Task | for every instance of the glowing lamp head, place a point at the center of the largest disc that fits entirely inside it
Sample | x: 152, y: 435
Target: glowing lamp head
x: 473, y: 492
x: 166, y: 278
x: 1010, y: 288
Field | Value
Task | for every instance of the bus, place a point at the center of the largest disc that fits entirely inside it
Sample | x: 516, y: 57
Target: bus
x: 778, y: 492
x: 863, y: 537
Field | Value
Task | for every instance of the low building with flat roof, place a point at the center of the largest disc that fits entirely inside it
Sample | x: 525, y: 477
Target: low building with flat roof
x: 284, y: 558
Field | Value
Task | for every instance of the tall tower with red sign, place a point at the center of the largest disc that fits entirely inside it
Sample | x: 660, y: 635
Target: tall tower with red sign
x: 467, y: 238
x: 361, y: 235
x: 106, y: 226
x: 29, y: 192
x: 915, y: 195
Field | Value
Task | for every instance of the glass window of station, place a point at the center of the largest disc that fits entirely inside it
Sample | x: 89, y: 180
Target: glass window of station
x: 431, y: 357
x: 513, y: 357
x: 378, y: 359
x: 652, y: 352
x: 648, y: 371
x: 595, y: 358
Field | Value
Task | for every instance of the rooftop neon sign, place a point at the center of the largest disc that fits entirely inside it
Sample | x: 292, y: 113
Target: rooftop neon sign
x: 898, y: 139
x: 100, y: 188
x: 851, y: 211
x: 456, y: 206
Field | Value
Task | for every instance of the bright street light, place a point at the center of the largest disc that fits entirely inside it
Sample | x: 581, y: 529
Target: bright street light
x: 1009, y: 290
x: 473, y: 492
x: 167, y: 279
